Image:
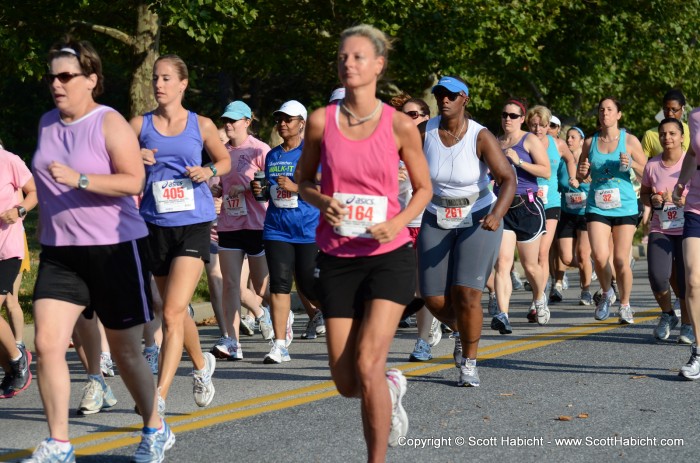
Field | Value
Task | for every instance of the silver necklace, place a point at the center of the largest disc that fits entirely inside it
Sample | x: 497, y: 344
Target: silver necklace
x: 361, y: 120
x: 453, y: 135
x: 610, y: 140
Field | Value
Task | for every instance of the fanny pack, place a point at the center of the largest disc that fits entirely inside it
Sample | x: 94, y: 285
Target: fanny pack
x: 459, y: 202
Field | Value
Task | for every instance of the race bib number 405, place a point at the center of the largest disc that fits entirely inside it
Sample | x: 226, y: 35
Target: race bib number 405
x: 364, y: 211
x: 608, y: 198
x: 173, y: 195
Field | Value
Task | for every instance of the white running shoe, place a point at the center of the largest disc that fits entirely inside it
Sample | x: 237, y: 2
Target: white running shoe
x: 289, y: 335
x: 202, y: 385
x: 153, y: 445
x: 278, y: 354
x: 49, y: 451
x: 435, y: 333
x: 626, y: 315
x: 151, y: 356
x: 265, y: 324
x: 106, y: 364
x: 399, y: 419
x: 96, y: 398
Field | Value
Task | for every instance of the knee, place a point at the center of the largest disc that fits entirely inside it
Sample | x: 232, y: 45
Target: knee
x: 434, y: 303
x: 345, y: 382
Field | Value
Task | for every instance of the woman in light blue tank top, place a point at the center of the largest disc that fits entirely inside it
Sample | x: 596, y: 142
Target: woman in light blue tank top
x: 537, y: 120
x: 611, y: 210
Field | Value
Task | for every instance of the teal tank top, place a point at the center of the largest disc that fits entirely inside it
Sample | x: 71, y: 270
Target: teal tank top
x: 548, y: 187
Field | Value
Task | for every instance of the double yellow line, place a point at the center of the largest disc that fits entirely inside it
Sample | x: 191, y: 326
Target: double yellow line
x: 101, y: 442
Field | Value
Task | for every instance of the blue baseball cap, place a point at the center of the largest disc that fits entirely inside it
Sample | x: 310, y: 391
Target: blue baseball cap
x: 452, y: 84
x: 237, y: 110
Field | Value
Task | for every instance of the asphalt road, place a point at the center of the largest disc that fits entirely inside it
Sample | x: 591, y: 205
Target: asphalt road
x: 574, y: 390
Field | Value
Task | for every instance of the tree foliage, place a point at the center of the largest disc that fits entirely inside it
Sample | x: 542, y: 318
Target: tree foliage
x: 566, y: 54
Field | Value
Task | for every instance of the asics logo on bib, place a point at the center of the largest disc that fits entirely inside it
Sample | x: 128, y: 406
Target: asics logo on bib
x: 172, y: 183
x: 360, y: 201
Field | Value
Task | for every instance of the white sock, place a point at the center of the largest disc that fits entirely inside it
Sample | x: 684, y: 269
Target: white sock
x: 281, y: 343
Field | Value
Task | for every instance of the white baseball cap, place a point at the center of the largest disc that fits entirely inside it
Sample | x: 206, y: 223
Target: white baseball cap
x: 292, y: 108
x: 555, y: 120
x: 338, y: 94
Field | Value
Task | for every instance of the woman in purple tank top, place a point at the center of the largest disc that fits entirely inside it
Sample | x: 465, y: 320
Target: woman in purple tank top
x: 362, y: 232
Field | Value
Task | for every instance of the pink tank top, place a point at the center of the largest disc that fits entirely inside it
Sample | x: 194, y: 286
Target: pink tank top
x: 363, y: 175
x: 692, y: 200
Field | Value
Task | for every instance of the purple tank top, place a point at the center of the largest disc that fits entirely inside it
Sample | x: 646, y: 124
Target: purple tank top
x: 525, y: 179
x: 71, y: 217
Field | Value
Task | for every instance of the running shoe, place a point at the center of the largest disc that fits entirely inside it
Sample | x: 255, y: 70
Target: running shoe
x: 202, y: 386
x: 6, y: 391
x: 468, y: 374
x: 289, y: 335
x: 667, y: 322
x: 598, y: 296
x: 626, y: 315
x: 435, y: 334
x: 421, y: 352
x: 278, y: 354
x: 516, y: 281
x: 594, y: 276
x: 223, y: 349
x: 527, y: 286
x: 677, y: 307
x: 493, y: 305
x: 320, y: 323
x: 565, y: 282
x: 501, y: 323
x: 20, y: 377
x: 555, y: 294
x: 96, y: 398
x: 686, y: 336
x: 405, y: 322
x: 265, y: 323
x: 602, y: 310
x: 311, y: 330
x: 247, y: 326
x: 160, y: 405
x: 106, y: 364
x: 399, y: 419
x: 532, y: 314
x: 457, y: 352
x: 153, y: 445
x: 615, y: 289
x: 151, y: 355
x: 691, y: 370
x: 542, y: 311
x: 190, y: 311
x: 51, y: 451
x: 445, y: 329
x: 586, y: 298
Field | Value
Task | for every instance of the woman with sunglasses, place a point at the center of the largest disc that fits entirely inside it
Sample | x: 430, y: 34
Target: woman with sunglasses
x: 572, y: 234
x: 524, y: 223
x: 611, y: 207
x: 537, y: 120
x: 665, y: 248
x: 178, y: 208
x: 362, y: 235
x: 289, y: 233
x: 672, y: 106
x: 87, y: 169
x: 240, y: 228
x: 462, y: 226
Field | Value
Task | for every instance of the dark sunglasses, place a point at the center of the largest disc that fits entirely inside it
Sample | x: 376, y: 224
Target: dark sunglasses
x: 285, y: 118
x: 414, y: 114
x: 440, y: 94
x: 63, y: 77
x: 514, y: 116
x: 552, y: 125
x: 226, y: 120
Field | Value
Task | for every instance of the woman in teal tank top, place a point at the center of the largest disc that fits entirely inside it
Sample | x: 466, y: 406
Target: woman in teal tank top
x: 537, y: 120
x: 611, y: 209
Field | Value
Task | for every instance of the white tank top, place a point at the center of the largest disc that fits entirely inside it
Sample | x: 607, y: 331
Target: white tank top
x: 456, y: 171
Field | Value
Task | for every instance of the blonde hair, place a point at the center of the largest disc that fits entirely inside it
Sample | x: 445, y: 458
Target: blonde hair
x: 542, y: 112
x: 379, y: 40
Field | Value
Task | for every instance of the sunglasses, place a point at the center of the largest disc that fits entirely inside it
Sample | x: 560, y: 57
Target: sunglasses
x: 226, y: 120
x: 440, y: 94
x: 514, y: 116
x: 552, y: 125
x: 285, y: 118
x: 414, y: 114
x: 63, y: 77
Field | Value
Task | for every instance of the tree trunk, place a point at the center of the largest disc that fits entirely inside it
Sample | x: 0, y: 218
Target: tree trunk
x: 146, y: 45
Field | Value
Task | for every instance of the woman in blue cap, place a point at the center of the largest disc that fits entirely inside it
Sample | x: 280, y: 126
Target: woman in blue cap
x: 463, y: 224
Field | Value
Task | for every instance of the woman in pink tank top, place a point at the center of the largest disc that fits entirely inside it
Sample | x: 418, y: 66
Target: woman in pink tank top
x: 362, y: 234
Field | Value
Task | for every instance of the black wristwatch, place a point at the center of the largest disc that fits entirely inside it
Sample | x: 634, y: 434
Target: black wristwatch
x: 22, y: 212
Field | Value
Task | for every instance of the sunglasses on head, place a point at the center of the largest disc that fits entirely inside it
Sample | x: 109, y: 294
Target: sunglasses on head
x: 514, y: 116
x: 279, y: 118
x: 414, y: 114
x: 63, y: 77
x: 552, y: 125
x: 440, y: 94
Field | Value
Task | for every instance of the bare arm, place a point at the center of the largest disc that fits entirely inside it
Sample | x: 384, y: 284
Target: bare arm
x: 216, y: 150
x: 634, y: 148
x: 123, y: 149
x: 489, y: 151
x: 568, y: 158
x: 540, y: 162
x: 584, y: 166
x: 688, y: 168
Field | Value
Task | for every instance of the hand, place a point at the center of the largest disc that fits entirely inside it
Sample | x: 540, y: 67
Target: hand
x: 403, y: 174
x: 573, y: 183
x: 625, y: 162
x: 199, y: 174
x: 656, y: 199
x: 333, y: 212
x: 216, y: 190
x: 10, y: 216
x: 287, y: 183
x: 149, y: 156
x: 256, y: 188
x: 512, y: 155
x: 218, y: 202
x: 677, y: 195
x: 583, y: 169
x: 384, y: 232
x: 64, y: 175
x: 235, y: 190
x: 491, y: 222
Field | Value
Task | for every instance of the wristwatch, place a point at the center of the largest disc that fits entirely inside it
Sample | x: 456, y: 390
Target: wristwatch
x: 520, y: 162
x: 83, y: 182
x: 22, y: 212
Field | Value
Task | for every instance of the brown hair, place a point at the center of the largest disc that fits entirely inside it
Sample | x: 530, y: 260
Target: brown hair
x: 178, y: 64
x: 88, y: 59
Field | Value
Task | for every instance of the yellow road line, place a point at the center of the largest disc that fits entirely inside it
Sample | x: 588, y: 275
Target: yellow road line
x: 287, y: 399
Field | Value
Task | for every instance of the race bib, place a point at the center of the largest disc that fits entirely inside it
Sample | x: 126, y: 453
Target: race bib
x: 542, y: 193
x: 173, y: 195
x: 671, y: 217
x: 575, y: 200
x: 235, y: 205
x: 363, y: 211
x: 282, y: 198
x: 608, y: 199
x: 449, y: 218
